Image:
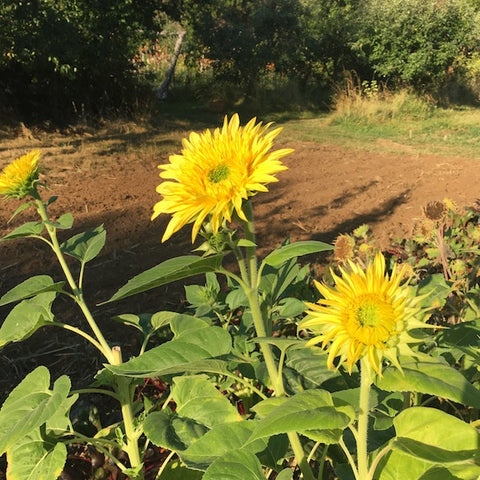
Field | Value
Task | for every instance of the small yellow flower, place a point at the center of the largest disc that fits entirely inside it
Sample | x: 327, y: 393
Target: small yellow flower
x: 367, y: 313
x: 215, y: 172
x: 18, y: 179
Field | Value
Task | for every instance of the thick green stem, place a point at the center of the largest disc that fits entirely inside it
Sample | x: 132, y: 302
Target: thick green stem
x: 362, y: 426
x: 104, y: 347
x: 264, y: 329
x: 131, y: 434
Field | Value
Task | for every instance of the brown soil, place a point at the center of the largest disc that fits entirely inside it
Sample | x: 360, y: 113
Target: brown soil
x: 326, y: 191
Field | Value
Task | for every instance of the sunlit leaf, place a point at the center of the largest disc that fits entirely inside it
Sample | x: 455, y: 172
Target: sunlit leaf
x: 31, y: 287
x: 27, y: 317
x: 34, y: 458
x: 292, y: 250
x: 86, y: 245
x: 26, y: 230
x: 236, y: 465
x: 173, y: 269
x: 30, y: 405
x: 434, y: 377
x: 176, y: 355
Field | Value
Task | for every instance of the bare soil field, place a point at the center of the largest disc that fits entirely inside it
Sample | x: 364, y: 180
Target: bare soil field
x: 327, y: 190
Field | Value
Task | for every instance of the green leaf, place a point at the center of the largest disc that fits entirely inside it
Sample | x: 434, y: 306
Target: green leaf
x: 310, y: 410
x: 243, y: 242
x: 397, y: 465
x: 168, y: 271
x: 147, y: 323
x: 434, y: 378
x: 311, y: 363
x: 28, y: 229
x: 86, y: 245
x: 20, y: 209
x: 64, y: 222
x: 435, y: 436
x: 198, y: 398
x: 30, y: 405
x: 285, y: 474
x: 220, y: 440
x: 452, y: 472
x: 27, y: 317
x: 292, y: 250
x: 168, y: 430
x: 33, y: 458
x: 178, y: 354
x: 236, y: 465
x: 31, y: 287
x: 176, y: 471
x: 436, y: 289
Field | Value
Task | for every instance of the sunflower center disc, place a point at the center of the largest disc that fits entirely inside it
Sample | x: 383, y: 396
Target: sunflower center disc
x: 369, y: 315
x: 219, y: 173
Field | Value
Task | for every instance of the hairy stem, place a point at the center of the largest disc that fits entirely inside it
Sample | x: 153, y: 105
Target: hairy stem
x: 362, y: 425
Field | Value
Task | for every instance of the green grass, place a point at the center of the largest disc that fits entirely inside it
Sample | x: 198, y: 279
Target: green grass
x: 375, y: 126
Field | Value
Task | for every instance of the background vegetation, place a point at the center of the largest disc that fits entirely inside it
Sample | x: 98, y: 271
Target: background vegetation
x: 63, y: 60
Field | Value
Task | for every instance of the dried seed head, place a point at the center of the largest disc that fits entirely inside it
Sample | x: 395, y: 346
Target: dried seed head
x: 435, y: 210
x: 343, y: 248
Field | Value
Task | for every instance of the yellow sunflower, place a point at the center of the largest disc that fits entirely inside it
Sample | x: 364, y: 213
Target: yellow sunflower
x: 18, y: 178
x: 215, y: 172
x: 367, y: 313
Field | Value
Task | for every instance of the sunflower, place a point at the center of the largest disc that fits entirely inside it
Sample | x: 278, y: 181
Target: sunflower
x: 18, y: 179
x: 367, y: 313
x: 215, y: 172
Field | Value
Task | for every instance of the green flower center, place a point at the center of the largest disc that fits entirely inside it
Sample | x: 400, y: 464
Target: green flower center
x: 219, y: 173
x: 368, y: 315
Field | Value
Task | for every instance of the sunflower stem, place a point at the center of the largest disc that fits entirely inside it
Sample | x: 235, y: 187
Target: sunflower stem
x: 362, y: 423
x: 263, y: 328
x: 77, y: 292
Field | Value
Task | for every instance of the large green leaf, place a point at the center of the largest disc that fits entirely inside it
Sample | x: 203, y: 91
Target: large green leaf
x: 33, y: 458
x: 169, y: 271
x: 220, y: 440
x: 198, y: 398
x: 435, y: 436
x: 236, y: 465
x: 292, y: 250
x: 434, y: 377
x: 310, y: 410
x: 30, y: 405
x: 86, y: 245
x: 31, y: 287
x: 28, y: 229
x: 178, y: 354
x: 27, y: 317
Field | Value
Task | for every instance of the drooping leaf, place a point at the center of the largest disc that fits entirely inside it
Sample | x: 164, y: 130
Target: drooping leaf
x: 236, y: 465
x: 31, y: 287
x: 85, y: 246
x: 310, y: 410
x: 20, y: 209
x: 434, y: 377
x: 297, y: 249
x: 28, y: 229
x: 34, y: 458
x: 30, y: 405
x: 27, y: 317
x: 168, y: 271
x: 176, y: 355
